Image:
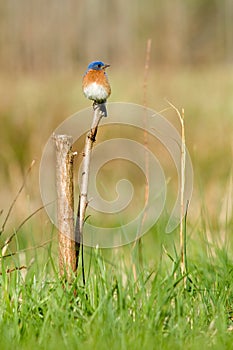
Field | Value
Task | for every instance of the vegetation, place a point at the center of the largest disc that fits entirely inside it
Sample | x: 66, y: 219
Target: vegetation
x: 42, y: 36
x: 115, y: 310
x: 133, y: 298
x: 154, y: 310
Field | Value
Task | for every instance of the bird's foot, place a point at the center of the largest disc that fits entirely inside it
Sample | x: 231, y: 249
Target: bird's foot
x: 95, y: 105
x: 101, y: 107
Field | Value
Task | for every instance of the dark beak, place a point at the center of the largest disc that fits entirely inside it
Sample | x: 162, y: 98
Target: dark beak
x: 106, y: 66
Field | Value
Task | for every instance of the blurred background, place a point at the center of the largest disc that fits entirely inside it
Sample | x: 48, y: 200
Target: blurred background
x: 54, y: 36
x: 45, y: 47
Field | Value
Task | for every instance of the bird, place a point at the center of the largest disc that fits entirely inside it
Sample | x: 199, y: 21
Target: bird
x: 96, y: 86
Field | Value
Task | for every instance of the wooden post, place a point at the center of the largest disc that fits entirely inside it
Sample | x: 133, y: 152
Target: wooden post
x: 65, y: 205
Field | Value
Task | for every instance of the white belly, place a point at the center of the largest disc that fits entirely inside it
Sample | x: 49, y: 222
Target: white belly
x: 95, y: 92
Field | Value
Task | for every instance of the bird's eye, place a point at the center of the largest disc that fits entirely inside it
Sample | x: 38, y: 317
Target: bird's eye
x: 99, y: 65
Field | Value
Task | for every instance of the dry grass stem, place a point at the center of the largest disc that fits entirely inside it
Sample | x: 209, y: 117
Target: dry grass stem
x: 16, y: 197
x: 145, y: 140
x: 9, y: 239
x: 183, y: 211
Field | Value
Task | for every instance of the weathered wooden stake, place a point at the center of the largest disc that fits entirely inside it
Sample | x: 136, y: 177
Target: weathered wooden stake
x: 65, y: 205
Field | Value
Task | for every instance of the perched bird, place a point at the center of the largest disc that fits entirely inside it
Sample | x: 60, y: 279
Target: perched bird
x: 95, y: 84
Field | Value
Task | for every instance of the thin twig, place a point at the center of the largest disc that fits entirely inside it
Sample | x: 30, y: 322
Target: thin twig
x: 165, y: 109
x: 14, y: 269
x: 16, y: 197
x: 18, y: 268
x: 27, y: 249
x: 7, y: 242
x: 145, y: 104
x: 83, y: 201
x: 185, y: 237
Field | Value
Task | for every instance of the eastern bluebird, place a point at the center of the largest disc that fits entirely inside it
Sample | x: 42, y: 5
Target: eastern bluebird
x: 95, y: 84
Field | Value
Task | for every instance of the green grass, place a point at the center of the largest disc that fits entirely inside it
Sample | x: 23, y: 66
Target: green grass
x: 114, y: 311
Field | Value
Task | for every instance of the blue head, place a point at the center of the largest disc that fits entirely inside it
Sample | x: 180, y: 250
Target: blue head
x: 97, y: 65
